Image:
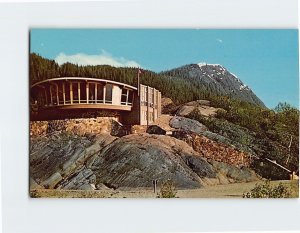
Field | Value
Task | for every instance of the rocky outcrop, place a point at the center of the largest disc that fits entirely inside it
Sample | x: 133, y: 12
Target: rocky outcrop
x: 201, y: 106
x: 168, y: 106
x: 136, y: 160
x: 183, y: 123
x: 214, y: 150
x: 68, y: 161
x: 61, y: 155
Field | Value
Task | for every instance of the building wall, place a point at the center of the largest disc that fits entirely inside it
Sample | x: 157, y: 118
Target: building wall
x: 150, y: 104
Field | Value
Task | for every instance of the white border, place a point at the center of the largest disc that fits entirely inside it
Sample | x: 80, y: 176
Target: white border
x: 22, y: 214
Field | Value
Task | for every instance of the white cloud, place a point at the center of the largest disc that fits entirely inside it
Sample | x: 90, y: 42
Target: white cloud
x: 220, y: 40
x: 103, y: 58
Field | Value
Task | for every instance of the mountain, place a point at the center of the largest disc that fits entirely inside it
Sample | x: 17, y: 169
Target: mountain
x: 215, y: 79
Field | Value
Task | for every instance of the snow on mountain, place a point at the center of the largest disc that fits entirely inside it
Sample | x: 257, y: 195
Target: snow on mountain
x: 217, y: 80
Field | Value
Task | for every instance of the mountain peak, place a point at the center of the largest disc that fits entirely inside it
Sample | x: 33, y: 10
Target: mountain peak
x: 216, y: 79
x: 201, y: 64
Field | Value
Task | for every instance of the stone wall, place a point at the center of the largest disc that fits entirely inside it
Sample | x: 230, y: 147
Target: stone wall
x: 79, y: 126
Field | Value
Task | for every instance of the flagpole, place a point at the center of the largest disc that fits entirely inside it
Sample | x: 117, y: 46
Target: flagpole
x: 138, y: 77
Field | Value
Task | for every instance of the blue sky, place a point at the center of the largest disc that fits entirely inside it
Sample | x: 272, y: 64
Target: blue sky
x: 265, y: 60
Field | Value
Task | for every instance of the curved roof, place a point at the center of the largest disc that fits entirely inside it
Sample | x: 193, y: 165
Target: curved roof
x: 85, y: 79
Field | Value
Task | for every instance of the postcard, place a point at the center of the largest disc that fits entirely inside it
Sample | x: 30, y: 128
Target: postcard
x: 164, y: 113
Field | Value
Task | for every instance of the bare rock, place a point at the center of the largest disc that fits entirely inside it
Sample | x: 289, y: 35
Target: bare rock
x: 178, y: 122
x: 136, y: 160
x: 154, y: 129
x: 52, y: 180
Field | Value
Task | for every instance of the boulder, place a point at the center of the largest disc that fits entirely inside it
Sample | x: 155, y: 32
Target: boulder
x: 204, y: 110
x: 183, y: 123
x: 154, y: 129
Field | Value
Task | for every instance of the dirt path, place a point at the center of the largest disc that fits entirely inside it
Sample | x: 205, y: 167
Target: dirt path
x: 219, y: 191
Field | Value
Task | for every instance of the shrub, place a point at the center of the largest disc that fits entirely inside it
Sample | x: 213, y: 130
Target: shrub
x: 265, y: 190
x: 167, y: 190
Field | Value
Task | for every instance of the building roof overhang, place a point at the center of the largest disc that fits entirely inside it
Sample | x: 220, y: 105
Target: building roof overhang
x: 85, y: 79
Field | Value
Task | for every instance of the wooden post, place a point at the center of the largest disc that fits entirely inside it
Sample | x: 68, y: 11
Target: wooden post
x: 104, y: 93
x: 71, y: 93
x: 96, y: 93
x: 127, y: 97
x: 79, y: 92
x: 148, y: 94
x: 138, y: 79
x: 51, y: 99
x: 154, y: 103
x: 154, y: 182
x: 57, y: 97
x: 64, y: 93
x: 87, y: 93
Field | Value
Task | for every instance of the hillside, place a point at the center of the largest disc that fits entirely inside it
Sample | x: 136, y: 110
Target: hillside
x: 215, y: 79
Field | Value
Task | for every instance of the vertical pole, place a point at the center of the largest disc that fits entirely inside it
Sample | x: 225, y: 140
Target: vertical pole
x: 51, y: 99
x: 148, y: 95
x: 154, y: 182
x: 104, y: 93
x: 140, y: 108
x: 154, y: 103
x: 139, y: 82
x: 79, y: 92
x: 96, y: 94
x: 127, y: 97
x: 71, y: 93
x: 57, y: 97
x: 64, y: 93
x: 87, y: 92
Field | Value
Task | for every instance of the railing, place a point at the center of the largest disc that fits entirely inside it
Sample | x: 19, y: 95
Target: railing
x: 84, y: 101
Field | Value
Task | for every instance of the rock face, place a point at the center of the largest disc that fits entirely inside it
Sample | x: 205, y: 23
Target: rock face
x: 203, y: 106
x: 183, y: 123
x: 136, y: 160
x: 57, y: 156
x: 213, y: 150
x: 68, y: 161
x: 168, y: 106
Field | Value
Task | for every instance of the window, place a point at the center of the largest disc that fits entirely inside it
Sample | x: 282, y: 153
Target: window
x: 130, y: 97
x: 144, y: 95
x: 124, y: 97
x: 60, y: 93
x: 75, y: 92
x: 91, y: 93
x: 108, y: 94
x: 83, y: 92
x: 67, y: 93
x: 99, y: 93
x: 54, y: 94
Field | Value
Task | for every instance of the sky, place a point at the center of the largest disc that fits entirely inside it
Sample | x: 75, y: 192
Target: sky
x: 265, y: 60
